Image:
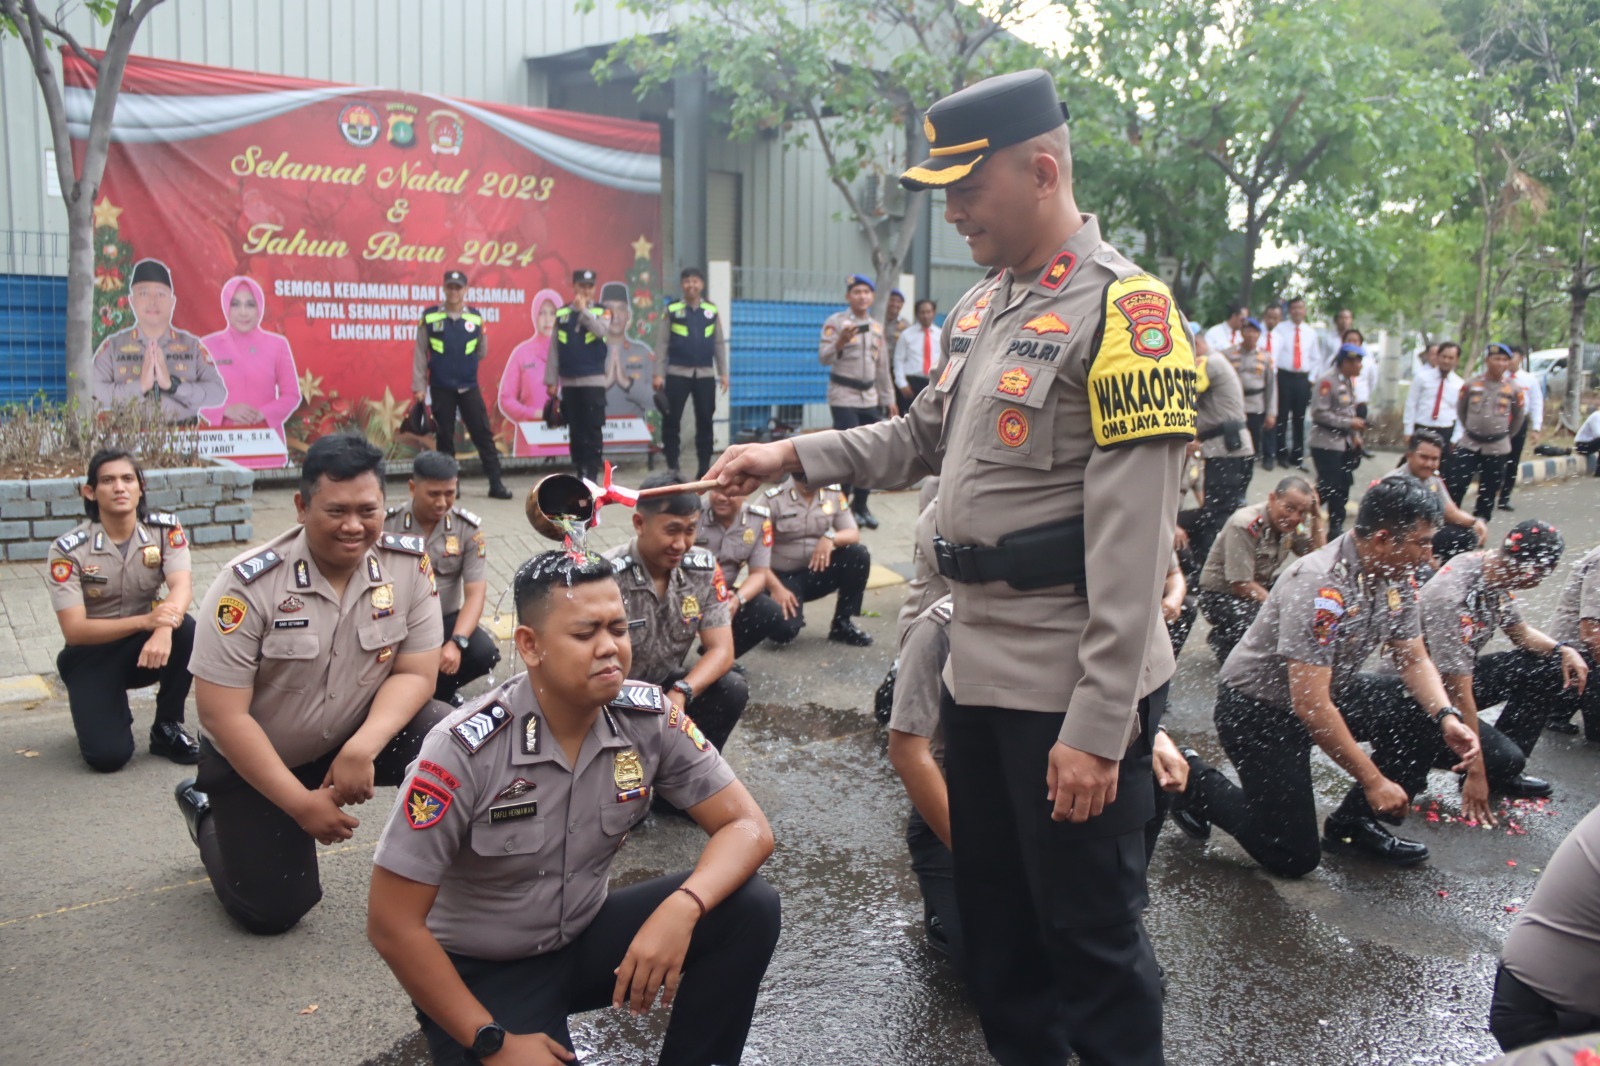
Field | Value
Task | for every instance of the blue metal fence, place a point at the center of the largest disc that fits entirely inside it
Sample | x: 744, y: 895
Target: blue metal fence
x: 33, y: 338
x: 773, y: 359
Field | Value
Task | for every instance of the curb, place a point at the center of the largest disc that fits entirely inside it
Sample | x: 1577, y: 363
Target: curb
x: 1533, y: 471
x: 24, y: 688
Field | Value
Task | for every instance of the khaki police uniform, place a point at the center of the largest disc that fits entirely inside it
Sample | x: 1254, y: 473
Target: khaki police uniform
x: 1451, y: 540
x: 798, y: 523
x: 519, y: 842
x: 196, y: 382
x: 459, y: 553
x: 110, y: 580
x: 1322, y: 611
x: 1247, y: 549
x: 746, y: 542
x: 927, y: 584
x: 860, y: 382
x: 1226, y: 446
x: 1259, y: 381
x: 1332, y: 452
x: 313, y: 661
x: 662, y: 629
x: 1488, y: 413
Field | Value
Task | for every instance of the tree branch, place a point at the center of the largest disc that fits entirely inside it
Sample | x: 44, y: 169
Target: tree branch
x: 1271, y: 147
x: 1296, y: 172
x: 71, y: 41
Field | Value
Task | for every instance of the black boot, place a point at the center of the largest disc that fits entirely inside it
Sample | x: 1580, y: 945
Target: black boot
x: 845, y: 631
x: 498, y: 490
x: 1191, y: 822
x: 1366, y: 835
x: 194, y: 804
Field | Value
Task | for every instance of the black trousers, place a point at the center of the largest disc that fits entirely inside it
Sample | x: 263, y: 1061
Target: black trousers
x: 1255, y: 422
x: 1530, y: 685
x: 1227, y: 481
x: 1058, y: 959
x: 1520, y: 1017
x: 754, y: 622
x: 716, y: 710
x: 1294, y: 394
x: 935, y: 868
x: 585, y: 409
x: 98, y: 677
x: 1519, y: 440
x: 1178, y: 629
x: 446, y: 402
x: 917, y: 383
x: 1272, y: 812
x: 1336, y: 472
x: 1490, y: 470
x: 263, y: 866
x: 728, y: 954
x: 849, y: 418
x: 1229, y: 616
x: 480, y: 657
x: 679, y: 392
x: 846, y: 574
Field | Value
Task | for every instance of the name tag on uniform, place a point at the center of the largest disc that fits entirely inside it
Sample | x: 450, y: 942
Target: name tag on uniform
x: 637, y: 623
x: 510, y: 812
x: 291, y: 623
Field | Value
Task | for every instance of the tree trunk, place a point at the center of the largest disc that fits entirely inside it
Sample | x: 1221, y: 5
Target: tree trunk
x: 1572, y: 403
x: 80, y: 298
x: 1252, y: 244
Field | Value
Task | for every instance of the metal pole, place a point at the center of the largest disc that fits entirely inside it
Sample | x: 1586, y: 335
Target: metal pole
x: 690, y: 129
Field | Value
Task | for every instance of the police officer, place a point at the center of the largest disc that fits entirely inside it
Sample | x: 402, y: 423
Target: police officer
x: 676, y: 597
x: 314, y: 666
x: 489, y: 895
x: 926, y: 586
x: 458, y: 553
x: 816, y: 550
x: 1489, y: 411
x: 1068, y: 387
x: 581, y: 370
x: 1259, y: 380
x: 739, y: 534
x: 1335, y: 428
x: 1576, y: 623
x: 1253, y: 547
x: 105, y: 586
x: 690, y: 345
x: 1293, y: 681
x: 151, y: 359
x: 1225, y: 444
x: 1461, y: 532
x: 857, y: 356
x: 452, y: 344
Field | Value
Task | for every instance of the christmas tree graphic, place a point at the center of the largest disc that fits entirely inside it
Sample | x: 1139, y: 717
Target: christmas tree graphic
x: 113, y: 263
x: 642, y: 288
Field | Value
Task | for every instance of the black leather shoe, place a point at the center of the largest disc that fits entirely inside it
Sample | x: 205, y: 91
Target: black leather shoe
x: 1192, y: 824
x: 1366, y: 835
x: 1268, y: 462
x: 1523, y: 786
x: 938, y: 939
x: 498, y: 491
x: 169, y: 740
x: 847, y: 632
x: 1565, y: 726
x: 194, y: 804
x: 1506, y: 506
x: 865, y: 518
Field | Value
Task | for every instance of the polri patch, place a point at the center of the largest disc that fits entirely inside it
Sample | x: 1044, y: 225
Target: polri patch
x: 230, y: 614
x: 60, y: 570
x: 426, y: 803
x: 1012, y: 428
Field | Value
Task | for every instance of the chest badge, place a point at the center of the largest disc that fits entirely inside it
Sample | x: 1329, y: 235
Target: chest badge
x: 292, y: 605
x: 1049, y: 322
x: 827, y: 506
x: 383, y: 597
x: 452, y: 545
x: 629, y: 774
x: 1394, y: 600
x: 152, y: 556
x: 749, y: 536
x: 691, y: 607
x: 1015, y: 382
x: 517, y: 788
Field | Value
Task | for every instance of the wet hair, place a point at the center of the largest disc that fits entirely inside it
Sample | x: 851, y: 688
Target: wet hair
x: 691, y: 272
x: 680, y: 504
x: 1534, y: 543
x: 1293, y: 483
x: 339, y: 457
x: 1425, y: 436
x: 568, y: 568
x: 918, y: 305
x: 91, y: 507
x: 434, y: 466
x: 1397, y: 505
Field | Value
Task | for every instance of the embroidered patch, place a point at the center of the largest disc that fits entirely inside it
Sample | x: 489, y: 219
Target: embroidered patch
x: 720, y: 583
x: 969, y: 321
x: 481, y: 544
x: 1146, y: 312
x: 302, y: 574
x: 1049, y: 322
x: 1012, y: 426
x: 1469, y: 628
x: 176, y: 539
x: 60, y: 570
x: 427, y: 767
x: 1056, y: 273
x: 689, y: 729
x: 426, y: 803
x: 476, y: 731
x: 627, y: 772
x: 1015, y: 382
x: 530, y: 735
x: 766, y: 534
x: 230, y: 614
x: 1143, y: 380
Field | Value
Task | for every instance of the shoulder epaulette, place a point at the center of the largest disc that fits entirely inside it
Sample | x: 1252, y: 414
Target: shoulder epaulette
x: 468, y: 517
x: 836, y: 487
x: 160, y: 518
x: 256, y: 565
x: 774, y: 490
x: 757, y: 509
x: 640, y: 696
x: 431, y: 308
x: 68, y: 541
x: 943, y: 612
x: 396, y: 509
x: 620, y: 563
x: 403, y: 542
x: 474, y: 731
x: 1255, y: 527
x: 698, y: 559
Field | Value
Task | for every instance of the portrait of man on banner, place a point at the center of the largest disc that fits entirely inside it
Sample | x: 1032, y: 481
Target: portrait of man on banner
x: 153, y: 361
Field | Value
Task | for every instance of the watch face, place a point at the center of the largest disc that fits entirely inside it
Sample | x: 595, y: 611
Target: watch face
x: 489, y: 1040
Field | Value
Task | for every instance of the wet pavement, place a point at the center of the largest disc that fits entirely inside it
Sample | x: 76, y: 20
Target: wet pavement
x: 112, y: 949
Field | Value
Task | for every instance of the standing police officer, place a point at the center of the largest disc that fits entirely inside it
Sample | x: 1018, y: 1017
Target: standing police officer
x: 105, y: 586
x: 739, y: 534
x: 1225, y: 444
x: 857, y: 356
x: 1259, y: 380
x: 817, y: 549
x: 581, y: 370
x: 1069, y: 389
x: 313, y: 673
x: 1489, y: 410
x: 693, y: 353
x: 1335, y: 427
x: 458, y: 553
x: 451, y: 345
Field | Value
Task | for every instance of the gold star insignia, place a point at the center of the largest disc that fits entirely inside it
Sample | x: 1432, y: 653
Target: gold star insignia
x: 105, y: 214
x: 310, y: 387
x: 642, y: 247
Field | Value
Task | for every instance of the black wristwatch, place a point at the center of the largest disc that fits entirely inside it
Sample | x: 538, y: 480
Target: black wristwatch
x: 1440, y: 714
x: 685, y: 688
x: 461, y: 642
x: 489, y: 1039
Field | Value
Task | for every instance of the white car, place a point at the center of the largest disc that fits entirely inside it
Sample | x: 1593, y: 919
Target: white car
x: 1549, y: 365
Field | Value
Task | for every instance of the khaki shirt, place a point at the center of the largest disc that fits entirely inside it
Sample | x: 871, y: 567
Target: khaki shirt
x: 1220, y: 401
x: 1258, y: 378
x: 1460, y: 614
x: 1435, y: 483
x: 271, y: 623
x: 798, y: 523
x: 1580, y: 599
x: 916, y: 685
x: 926, y: 584
x: 520, y: 842
x: 1489, y: 409
x: 1065, y: 393
x: 1322, y: 611
x: 663, y: 628
x: 747, y: 541
x: 196, y: 382
x: 456, y: 549
x: 864, y: 359
x: 1249, y: 549
x: 1553, y: 947
x: 89, y: 570
x: 1332, y: 407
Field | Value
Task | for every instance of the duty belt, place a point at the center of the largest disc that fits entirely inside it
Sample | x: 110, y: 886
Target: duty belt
x: 1255, y: 392
x: 1492, y: 438
x: 1037, y: 558
x: 1220, y: 429
x: 852, y: 383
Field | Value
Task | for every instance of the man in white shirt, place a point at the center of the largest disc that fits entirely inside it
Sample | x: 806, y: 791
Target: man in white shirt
x: 1588, y: 440
x: 916, y: 353
x: 1424, y: 358
x: 1224, y: 336
x: 1295, y: 349
x: 1532, y: 426
x: 1431, y: 404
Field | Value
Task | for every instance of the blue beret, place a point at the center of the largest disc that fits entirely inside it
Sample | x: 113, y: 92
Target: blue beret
x: 1351, y: 350
x: 1254, y: 324
x: 1506, y: 348
x: 857, y: 279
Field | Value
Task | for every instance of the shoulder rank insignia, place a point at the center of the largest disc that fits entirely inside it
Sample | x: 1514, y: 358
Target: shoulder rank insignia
x: 475, y: 731
x: 943, y: 612
x: 774, y: 490
x: 396, y: 509
x: 698, y: 559
x: 621, y: 563
x: 68, y: 541
x: 640, y: 696
x: 1255, y: 527
x: 161, y: 518
x: 757, y: 509
x: 468, y: 517
x: 258, y: 564
x: 403, y: 542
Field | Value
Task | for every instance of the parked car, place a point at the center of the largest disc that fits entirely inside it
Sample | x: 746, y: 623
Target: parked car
x: 1549, y: 365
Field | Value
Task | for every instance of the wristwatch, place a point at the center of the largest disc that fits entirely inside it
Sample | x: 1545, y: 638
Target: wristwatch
x: 685, y: 688
x: 831, y: 533
x: 1439, y: 715
x: 488, y: 1040
x: 461, y: 642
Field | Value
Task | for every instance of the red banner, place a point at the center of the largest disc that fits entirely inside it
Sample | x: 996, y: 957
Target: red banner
x: 265, y: 247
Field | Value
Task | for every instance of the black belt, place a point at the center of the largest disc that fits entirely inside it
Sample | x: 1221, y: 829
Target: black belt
x: 852, y: 383
x: 1447, y: 430
x: 1255, y: 392
x: 1492, y: 438
x: 1302, y: 373
x: 1037, y: 558
x: 1219, y: 430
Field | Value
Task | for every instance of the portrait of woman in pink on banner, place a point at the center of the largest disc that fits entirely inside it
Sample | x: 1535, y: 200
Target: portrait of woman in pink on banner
x: 522, y: 391
x: 259, y: 370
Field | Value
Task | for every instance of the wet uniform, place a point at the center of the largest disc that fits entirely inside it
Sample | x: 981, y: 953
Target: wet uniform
x: 1226, y: 446
x: 1259, y: 380
x: 1489, y: 412
x: 797, y: 525
x: 313, y: 661
x: 196, y: 382
x: 1579, y: 602
x: 520, y: 846
x: 663, y: 628
x: 1332, y: 450
x: 108, y: 580
x: 1247, y: 549
x: 746, y: 542
x: 859, y: 380
x: 458, y: 552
